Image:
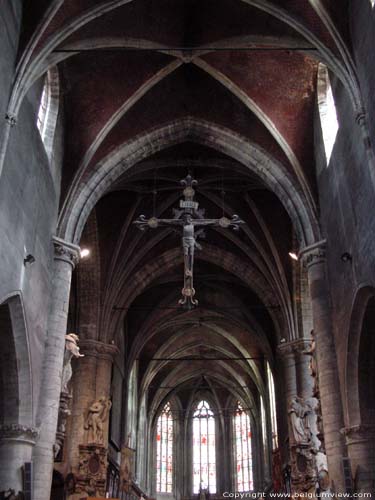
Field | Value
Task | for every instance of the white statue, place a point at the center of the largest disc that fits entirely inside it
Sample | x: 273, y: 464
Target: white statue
x: 71, y: 350
x: 300, y: 412
x: 96, y: 418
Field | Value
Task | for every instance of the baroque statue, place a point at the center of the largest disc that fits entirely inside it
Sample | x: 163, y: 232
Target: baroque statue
x: 311, y: 351
x: 97, y: 416
x: 301, y: 413
x: 71, y: 350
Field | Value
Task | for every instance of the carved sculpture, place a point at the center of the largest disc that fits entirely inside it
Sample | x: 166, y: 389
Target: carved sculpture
x: 299, y: 411
x: 311, y: 351
x: 306, y: 456
x: 92, y: 470
x: 188, y: 218
x: 96, y: 418
x: 71, y: 350
x: 64, y: 412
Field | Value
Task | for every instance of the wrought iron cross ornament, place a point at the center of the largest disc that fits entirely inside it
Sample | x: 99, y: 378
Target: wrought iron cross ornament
x: 188, y: 217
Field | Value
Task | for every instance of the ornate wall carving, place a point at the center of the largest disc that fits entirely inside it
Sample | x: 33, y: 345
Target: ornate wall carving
x: 92, y: 472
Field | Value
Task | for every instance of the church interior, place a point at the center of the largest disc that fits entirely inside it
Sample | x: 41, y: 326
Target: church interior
x: 187, y: 249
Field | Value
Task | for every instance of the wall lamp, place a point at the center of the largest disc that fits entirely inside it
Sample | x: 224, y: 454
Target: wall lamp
x: 293, y: 255
x: 29, y: 260
x: 85, y: 252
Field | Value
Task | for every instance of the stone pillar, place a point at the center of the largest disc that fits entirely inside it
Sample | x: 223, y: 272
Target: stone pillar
x: 329, y: 386
x: 305, y: 381
x: 66, y: 256
x: 360, y: 441
x: 91, y: 381
x: 288, y: 389
x: 286, y: 353
x: 16, y: 446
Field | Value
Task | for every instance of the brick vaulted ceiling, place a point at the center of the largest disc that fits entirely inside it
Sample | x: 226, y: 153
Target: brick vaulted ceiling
x: 167, y: 86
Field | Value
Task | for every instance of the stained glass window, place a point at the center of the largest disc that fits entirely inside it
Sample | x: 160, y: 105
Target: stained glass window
x: 242, y: 450
x: 204, y: 458
x: 271, y: 391
x: 164, y: 451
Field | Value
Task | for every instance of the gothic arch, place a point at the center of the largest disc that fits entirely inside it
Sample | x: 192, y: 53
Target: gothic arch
x: 360, y: 346
x: 274, y: 175
x: 15, y: 366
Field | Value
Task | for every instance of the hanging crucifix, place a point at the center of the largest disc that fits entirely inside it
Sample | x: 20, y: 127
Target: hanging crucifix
x: 188, y: 217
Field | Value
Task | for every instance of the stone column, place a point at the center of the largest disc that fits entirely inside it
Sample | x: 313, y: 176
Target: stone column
x: 16, y: 447
x: 305, y: 381
x: 286, y: 356
x: 65, y: 258
x: 91, y: 382
x: 329, y: 386
x: 360, y: 440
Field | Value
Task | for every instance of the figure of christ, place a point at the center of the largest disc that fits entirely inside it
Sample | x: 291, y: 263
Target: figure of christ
x: 188, y: 240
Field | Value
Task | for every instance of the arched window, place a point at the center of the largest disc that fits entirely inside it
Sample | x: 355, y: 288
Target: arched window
x: 48, y: 110
x: 272, y: 397
x: 164, y: 451
x: 204, y: 458
x: 327, y: 111
x: 242, y: 450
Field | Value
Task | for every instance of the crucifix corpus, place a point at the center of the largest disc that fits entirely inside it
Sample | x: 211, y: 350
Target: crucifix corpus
x: 188, y: 217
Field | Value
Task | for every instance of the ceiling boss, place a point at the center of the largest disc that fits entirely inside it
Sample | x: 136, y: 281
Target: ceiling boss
x: 188, y: 217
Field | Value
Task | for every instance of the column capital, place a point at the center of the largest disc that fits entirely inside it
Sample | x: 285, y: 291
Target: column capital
x: 68, y: 252
x: 97, y: 349
x: 293, y: 347
x: 361, y: 117
x: 314, y: 254
x: 17, y: 432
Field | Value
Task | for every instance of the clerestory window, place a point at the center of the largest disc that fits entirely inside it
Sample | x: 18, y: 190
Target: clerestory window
x: 48, y: 110
x: 327, y: 111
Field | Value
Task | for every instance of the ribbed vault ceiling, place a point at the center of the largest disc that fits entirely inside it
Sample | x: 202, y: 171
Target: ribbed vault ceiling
x: 190, y: 74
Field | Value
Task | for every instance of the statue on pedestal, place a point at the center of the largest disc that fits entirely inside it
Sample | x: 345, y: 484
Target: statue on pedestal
x: 71, y: 350
x: 97, y: 416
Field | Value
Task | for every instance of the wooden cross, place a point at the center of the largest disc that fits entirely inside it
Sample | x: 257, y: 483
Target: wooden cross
x: 188, y: 217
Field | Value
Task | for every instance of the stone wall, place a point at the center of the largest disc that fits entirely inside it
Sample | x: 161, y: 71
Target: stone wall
x: 28, y: 200
x: 346, y: 188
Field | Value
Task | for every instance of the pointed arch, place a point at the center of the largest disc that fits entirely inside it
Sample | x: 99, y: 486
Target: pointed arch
x: 15, y: 365
x: 273, y: 174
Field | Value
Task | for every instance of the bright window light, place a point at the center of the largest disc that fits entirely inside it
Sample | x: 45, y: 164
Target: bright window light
x: 327, y: 111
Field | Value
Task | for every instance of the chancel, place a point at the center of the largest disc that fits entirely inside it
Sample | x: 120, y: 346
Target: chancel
x: 194, y: 339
